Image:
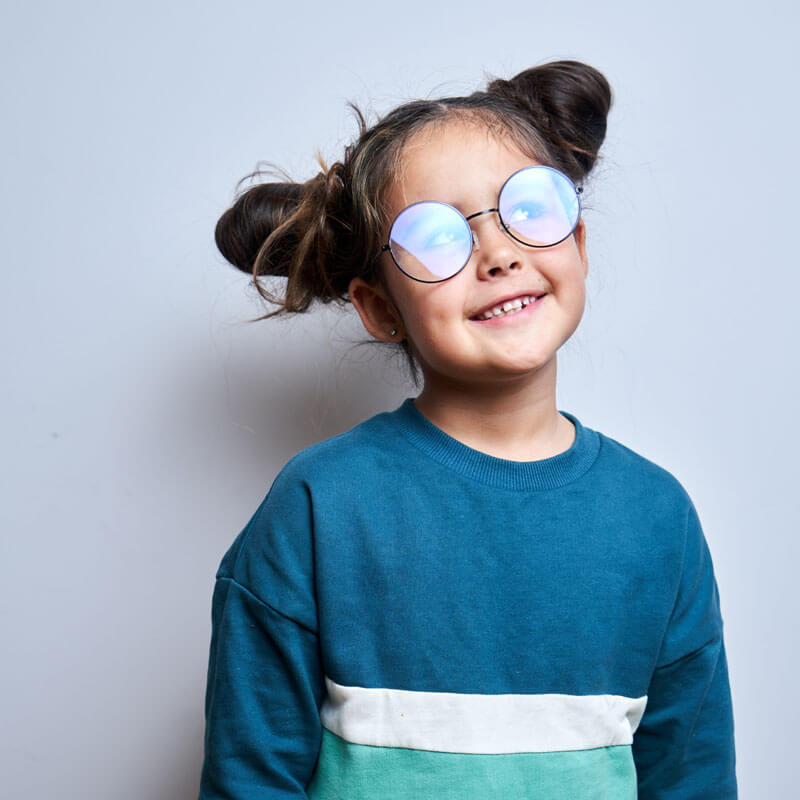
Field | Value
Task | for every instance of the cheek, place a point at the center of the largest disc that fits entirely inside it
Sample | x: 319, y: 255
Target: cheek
x: 573, y: 290
x: 566, y: 269
x: 428, y: 322
x: 434, y: 307
x: 434, y: 324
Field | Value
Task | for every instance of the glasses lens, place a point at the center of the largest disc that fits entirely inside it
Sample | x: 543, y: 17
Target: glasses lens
x: 539, y: 206
x: 430, y: 241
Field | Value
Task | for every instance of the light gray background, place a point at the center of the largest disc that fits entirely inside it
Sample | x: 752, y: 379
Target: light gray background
x: 144, y: 420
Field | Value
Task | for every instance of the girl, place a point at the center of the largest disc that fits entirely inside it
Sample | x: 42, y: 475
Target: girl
x: 473, y: 595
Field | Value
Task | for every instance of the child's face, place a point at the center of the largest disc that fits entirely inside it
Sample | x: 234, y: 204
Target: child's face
x: 465, y: 165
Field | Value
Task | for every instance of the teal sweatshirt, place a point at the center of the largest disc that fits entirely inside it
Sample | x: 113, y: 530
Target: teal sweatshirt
x: 407, y: 617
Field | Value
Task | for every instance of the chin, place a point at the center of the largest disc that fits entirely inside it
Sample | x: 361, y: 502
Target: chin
x: 537, y: 362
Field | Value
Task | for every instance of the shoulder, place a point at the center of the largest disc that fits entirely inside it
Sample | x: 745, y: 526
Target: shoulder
x: 354, y: 452
x: 630, y: 472
x: 318, y: 472
x: 644, y: 497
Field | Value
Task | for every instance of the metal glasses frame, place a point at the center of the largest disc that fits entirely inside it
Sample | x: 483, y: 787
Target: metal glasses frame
x: 577, y: 189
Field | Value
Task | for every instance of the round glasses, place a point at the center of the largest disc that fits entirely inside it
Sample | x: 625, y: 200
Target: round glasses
x: 431, y: 241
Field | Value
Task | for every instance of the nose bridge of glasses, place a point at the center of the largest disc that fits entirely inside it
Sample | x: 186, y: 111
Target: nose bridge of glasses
x: 478, y: 213
x: 475, y: 242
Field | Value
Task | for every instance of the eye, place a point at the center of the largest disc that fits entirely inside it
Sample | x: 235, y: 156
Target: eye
x: 523, y: 212
x: 442, y: 238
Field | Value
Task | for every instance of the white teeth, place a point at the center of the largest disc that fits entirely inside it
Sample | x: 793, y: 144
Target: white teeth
x: 509, y: 307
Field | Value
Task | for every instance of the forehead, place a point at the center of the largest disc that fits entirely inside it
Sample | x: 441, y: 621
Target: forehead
x: 456, y: 162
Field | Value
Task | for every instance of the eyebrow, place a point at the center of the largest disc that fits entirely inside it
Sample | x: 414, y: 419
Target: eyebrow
x: 495, y: 195
x: 461, y: 206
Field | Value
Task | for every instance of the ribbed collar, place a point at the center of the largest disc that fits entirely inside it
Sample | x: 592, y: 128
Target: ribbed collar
x: 546, y: 473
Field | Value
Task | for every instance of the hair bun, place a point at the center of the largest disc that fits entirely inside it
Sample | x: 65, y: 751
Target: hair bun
x: 569, y: 102
x: 242, y: 229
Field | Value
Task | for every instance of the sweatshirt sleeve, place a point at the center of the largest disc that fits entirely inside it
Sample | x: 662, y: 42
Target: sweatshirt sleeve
x: 265, y: 681
x: 683, y: 747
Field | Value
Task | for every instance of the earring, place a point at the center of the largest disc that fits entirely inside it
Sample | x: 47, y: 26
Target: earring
x: 394, y: 331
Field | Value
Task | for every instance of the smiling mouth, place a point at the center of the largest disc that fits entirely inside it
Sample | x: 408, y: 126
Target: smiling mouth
x: 507, y: 309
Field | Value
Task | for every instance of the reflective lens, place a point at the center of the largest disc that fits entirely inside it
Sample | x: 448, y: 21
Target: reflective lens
x: 539, y: 206
x: 430, y: 241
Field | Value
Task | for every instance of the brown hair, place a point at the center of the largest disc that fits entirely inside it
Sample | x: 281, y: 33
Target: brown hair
x: 322, y: 233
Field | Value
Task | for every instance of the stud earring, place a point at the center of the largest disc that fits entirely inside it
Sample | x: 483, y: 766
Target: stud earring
x: 394, y: 331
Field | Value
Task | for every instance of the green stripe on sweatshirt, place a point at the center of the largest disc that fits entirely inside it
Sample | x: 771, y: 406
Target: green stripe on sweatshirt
x: 347, y: 771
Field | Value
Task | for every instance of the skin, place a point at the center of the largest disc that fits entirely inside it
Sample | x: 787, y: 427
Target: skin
x: 491, y: 388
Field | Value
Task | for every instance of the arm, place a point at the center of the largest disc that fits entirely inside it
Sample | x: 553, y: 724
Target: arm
x: 265, y: 680
x: 684, y: 745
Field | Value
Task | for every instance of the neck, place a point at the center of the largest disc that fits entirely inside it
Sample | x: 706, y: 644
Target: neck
x: 515, y: 421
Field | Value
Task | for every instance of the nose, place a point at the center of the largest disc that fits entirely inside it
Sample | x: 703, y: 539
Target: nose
x: 498, y: 250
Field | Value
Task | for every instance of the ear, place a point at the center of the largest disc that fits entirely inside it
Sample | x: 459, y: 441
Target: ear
x: 580, y: 240
x: 376, y: 309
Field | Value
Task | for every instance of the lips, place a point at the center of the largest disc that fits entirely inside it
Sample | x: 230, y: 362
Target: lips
x: 499, y: 302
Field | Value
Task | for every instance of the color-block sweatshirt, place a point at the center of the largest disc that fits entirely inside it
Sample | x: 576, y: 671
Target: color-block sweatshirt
x: 405, y: 617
